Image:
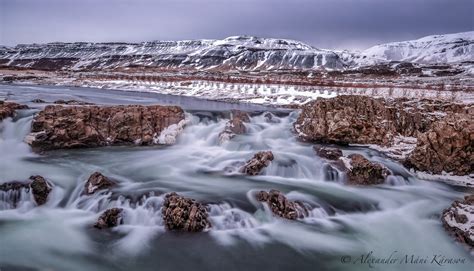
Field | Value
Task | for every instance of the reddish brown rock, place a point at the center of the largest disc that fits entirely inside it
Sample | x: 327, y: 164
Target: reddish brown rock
x: 458, y: 220
x: 110, y: 218
x: 235, y: 126
x: 97, y: 182
x: 447, y: 146
x: 40, y: 188
x: 281, y: 206
x: 184, y: 214
x: 361, y: 171
x: 328, y: 153
x: 58, y: 127
x: 7, y: 109
x: 258, y: 162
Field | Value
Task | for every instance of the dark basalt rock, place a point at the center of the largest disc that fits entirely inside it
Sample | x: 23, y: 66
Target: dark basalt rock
x: 40, y: 189
x: 184, y: 214
x: 71, y: 102
x: 364, y: 172
x: 97, y: 182
x: 281, y: 206
x: 259, y: 161
x: 458, y: 220
x: 110, y: 218
x: 328, y: 153
x: 15, y: 185
x: 38, y: 101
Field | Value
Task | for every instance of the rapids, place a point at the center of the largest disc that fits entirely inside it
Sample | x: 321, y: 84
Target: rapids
x: 400, y: 217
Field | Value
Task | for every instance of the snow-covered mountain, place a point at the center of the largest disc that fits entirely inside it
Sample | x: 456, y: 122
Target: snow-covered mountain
x: 448, y: 48
x: 240, y: 53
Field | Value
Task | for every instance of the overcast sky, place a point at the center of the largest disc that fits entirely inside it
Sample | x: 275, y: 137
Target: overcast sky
x: 340, y: 24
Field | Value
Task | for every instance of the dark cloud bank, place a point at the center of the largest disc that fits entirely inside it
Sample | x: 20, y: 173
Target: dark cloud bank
x: 353, y: 24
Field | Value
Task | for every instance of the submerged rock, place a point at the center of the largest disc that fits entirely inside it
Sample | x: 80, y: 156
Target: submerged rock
x: 38, y: 101
x: 40, y: 189
x: 97, y: 182
x: 71, y: 102
x: 328, y: 153
x: 281, y: 206
x: 448, y: 146
x: 15, y: 185
x: 184, y: 214
x: 110, y: 218
x: 258, y: 162
x: 58, y: 127
x: 361, y: 171
x: 235, y: 126
x: 7, y: 109
x: 458, y: 220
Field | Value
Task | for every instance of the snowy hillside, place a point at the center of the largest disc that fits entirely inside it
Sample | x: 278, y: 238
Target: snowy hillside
x: 448, y: 48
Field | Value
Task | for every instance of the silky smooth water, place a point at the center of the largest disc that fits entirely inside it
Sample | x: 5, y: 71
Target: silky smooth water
x: 399, y: 218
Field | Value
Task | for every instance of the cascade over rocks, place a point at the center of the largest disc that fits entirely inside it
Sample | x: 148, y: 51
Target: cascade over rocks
x: 97, y: 182
x: 184, y: 214
x: 40, y: 188
x: 63, y: 127
x: 110, y: 218
x: 361, y: 171
x: 235, y: 126
x: 281, y: 206
x: 458, y: 220
x: 258, y: 162
x: 7, y: 109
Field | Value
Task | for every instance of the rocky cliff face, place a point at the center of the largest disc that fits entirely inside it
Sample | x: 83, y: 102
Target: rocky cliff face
x: 58, y: 127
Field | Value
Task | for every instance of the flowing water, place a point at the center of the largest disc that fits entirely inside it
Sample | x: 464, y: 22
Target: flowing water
x: 399, y: 218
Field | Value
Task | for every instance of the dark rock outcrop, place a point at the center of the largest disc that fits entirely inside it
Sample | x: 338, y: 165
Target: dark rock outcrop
x: 184, y: 214
x: 328, y: 153
x: 97, y: 182
x: 281, y: 206
x: 62, y: 127
x: 110, y: 218
x: 7, y: 109
x: 40, y: 189
x: 447, y: 146
x: 71, y: 102
x: 258, y: 162
x: 235, y: 126
x: 458, y: 220
x: 361, y: 171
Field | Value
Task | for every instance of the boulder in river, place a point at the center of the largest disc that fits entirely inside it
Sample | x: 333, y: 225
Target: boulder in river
x: 458, y: 220
x: 184, y: 214
x: 281, y: 206
x: 361, y: 171
x: 110, y: 218
x: 448, y: 146
x: 97, y: 182
x: 62, y: 127
x: 328, y: 153
x: 7, y: 109
x: 258, y: 162
x: 235, y: 126
x: 40, y: 189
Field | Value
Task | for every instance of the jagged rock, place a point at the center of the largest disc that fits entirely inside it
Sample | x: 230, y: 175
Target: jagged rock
x: 7, y: 109
x: 352, y: 119
x: 184, y: 214
x: 97, y: 182
x: 58, y: 127
x: 40, y: 189
x: 447, y: 146
x: 235, y: 126
x: 71, y: 102
x: 281, y: 206
x: 458, y: 220
x: 110, y: 218
x: 361, y: 171
x: 259, y: 161
x: 38, y: 101
x: 15, y: 185
x: 328, y: 153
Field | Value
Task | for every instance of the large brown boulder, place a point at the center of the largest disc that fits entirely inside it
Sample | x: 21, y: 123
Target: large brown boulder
x: 361, y: 171
x: 97, y: 182
x: 184, y: 214
x: 281, y: 206
x: 235, y: 126
x: 447, y: 146
x: 458, y: 220
x: 110, y: 218
x: 58, y: 127
x: 258, y: 162
x: 7, y: 109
